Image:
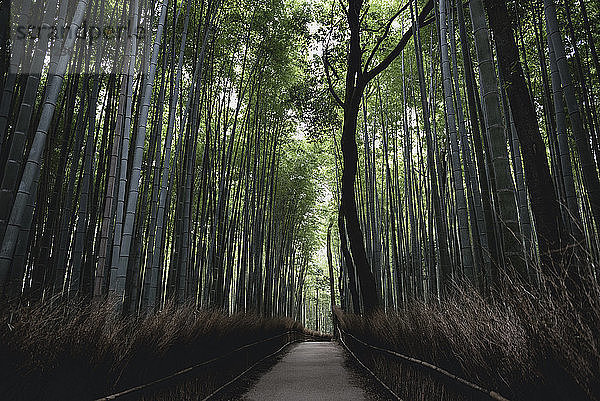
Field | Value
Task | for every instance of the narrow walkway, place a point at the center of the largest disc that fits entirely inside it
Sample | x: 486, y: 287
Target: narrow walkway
x: 310, y: 371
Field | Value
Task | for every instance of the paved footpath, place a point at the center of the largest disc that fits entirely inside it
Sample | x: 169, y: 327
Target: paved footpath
x: 309, y: 371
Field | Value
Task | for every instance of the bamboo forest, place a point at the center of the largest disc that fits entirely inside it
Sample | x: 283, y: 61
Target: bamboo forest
x: 300, y: 200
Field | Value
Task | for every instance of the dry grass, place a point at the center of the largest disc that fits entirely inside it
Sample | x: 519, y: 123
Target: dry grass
x: 524, y: 346
x: 80, y: 351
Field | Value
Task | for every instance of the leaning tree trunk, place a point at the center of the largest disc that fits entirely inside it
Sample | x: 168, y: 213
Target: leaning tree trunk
x: 348, y: 211
x: 30, y: 178
x: 12, y: 169
x: 356, y: 81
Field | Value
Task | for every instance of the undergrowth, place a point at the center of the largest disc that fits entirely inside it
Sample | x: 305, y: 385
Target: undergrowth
x: 525, y: 346
x: 80, y: 351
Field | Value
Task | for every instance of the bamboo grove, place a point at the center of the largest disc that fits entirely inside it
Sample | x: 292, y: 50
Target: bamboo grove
x: 474, y: 128
x: 160, y: 169
x: 460, y: 143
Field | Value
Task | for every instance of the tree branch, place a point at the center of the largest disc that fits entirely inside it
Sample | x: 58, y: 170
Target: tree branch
x: 329, y: 83
x: 401, y: 44
x: 384, y: 35
x: 343, y: 7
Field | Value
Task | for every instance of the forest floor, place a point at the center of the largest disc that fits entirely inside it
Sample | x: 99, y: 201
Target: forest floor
x: 83, y: 351
x: 527, y: 347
